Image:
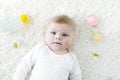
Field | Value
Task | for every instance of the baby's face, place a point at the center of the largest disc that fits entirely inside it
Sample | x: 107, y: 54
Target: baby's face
x: 59, y: 37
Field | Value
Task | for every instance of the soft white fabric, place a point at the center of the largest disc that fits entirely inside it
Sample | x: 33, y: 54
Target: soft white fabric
x: 48, y: 65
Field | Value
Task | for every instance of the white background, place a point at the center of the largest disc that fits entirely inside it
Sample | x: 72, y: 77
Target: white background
x: 104, y: 67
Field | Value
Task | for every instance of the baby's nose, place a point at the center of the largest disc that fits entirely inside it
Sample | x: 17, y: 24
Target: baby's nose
x: 58, y: 37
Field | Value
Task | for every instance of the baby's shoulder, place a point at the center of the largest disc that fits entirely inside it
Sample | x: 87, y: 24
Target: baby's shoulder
x: 73, y: 55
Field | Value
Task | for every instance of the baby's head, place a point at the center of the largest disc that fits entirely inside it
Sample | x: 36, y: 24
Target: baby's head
x: 60, y: 33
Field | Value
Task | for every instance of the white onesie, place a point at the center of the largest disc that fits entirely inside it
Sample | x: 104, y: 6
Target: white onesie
x: 47, y: 65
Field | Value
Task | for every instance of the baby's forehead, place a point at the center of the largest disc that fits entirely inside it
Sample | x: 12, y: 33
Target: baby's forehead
x: 55, y: 25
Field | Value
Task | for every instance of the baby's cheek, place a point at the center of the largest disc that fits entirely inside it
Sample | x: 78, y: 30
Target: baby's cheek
x: 67, y: 43
x: 71, y: 42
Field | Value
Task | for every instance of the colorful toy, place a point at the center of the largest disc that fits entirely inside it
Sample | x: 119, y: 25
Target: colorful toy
x: 24, y: 18
x: 96, y: 36
x: 16, y: 45
x: 14, y: 23
x: 92, y: 21
x: 95, y: 54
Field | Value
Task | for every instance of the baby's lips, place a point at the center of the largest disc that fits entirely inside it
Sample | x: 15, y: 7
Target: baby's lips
x: 57, y: 43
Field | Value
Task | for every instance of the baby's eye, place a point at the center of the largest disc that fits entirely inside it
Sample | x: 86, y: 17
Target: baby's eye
x: 65, y: 35
x: 54, y: 33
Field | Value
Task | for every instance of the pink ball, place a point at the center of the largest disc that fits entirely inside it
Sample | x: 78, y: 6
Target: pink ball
x: 92, y: 21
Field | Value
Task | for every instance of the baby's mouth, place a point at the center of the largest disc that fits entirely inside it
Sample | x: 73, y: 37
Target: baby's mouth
x: 57, y: 43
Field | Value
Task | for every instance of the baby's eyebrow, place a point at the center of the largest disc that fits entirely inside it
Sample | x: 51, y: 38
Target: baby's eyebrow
x: 66, y: 32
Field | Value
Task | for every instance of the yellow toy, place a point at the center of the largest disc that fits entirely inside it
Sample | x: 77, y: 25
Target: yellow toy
x: 24, y: 18
x: 96, y: 36
x: 16, y: 45
x: 95, y: 54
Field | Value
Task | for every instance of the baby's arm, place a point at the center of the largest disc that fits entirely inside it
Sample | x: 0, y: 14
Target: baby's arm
x: 24, y: 66
x: 75, y: 73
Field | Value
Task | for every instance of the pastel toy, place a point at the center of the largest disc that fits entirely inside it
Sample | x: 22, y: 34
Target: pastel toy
x: 96, y: 36
x: 95, y: 54
x: 16, y: 45
x: 14, y: 23
x: 92, y: 21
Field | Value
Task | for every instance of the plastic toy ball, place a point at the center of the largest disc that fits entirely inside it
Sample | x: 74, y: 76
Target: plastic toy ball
x: 92, y: 21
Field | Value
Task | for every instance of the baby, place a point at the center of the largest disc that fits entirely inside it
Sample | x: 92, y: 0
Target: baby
x: 52, y: 60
